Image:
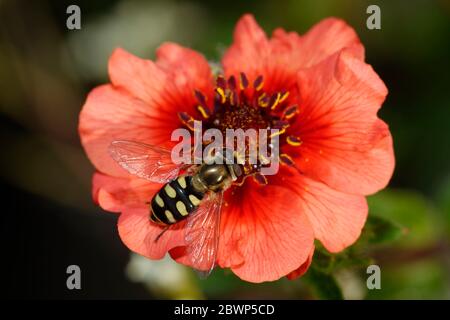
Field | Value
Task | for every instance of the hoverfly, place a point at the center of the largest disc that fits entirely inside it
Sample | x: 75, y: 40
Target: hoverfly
x: 196, y: 195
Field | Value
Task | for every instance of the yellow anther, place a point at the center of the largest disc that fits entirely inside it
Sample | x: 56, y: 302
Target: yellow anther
x: 222, y: 95
x: 294, y: 141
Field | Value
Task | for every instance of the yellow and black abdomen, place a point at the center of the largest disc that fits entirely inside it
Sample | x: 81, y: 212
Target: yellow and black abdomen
x: 175, y: 201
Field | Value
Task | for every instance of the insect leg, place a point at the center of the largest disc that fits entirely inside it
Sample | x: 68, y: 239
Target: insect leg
x: 162, y: 232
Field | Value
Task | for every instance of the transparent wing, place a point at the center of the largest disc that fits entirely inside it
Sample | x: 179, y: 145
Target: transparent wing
x: 145, y: 161
x: 202, y: 235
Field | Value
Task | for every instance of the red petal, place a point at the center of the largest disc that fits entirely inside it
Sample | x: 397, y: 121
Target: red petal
x: 144, y: 102
x: 142, y: 78
x: 303, y: 268
x: 129, y: 196
x: 266, y: 230
x: 279, y: 58
x: 188, y: 70
x: 337, y: 218
x: 344, y: 145
x: 249, y: 51
x: 112, y: 114
x: 324, y: 39
x: 168, y: 84
x: 117, y: 194
x: 264, y: 233
x: 139, y: 234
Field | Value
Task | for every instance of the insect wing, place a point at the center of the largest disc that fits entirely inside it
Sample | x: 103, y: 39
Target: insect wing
x: 202, y: 235
x: 145, y: 161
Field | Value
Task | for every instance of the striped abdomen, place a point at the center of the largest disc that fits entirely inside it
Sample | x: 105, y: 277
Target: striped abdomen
x: 175, y: 201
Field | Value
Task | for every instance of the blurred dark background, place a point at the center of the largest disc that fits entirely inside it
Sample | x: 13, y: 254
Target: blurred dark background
x: 48, y: 221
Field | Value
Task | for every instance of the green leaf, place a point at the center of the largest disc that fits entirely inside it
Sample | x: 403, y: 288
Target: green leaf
x: 411, y: 210
x: 352, y: 259
x: 443, y: 202
x: 380, y: 230
x: 323, y: 260
x: 355, y: 256
x: 324, y: 285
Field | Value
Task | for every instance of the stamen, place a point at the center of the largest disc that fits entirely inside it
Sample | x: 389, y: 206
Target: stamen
x: 247, y: 113
x: 233, y: 98
x: 244, y: 81
x: 294, y: 141
x: 258, y: 84
x: 200, y: 98
x: 287, y: 160
x: 232, y: 83
x: 277, y: 133
x: 278, y: 124
x: 276, y: 100
x: 290, y: 112
x: 204, y: 111
x: 263, y: 100
x: 221, y: 82
x: 284, y: 96
x: 187, y: 120
x: 260, y: 179
x: 220, y: 91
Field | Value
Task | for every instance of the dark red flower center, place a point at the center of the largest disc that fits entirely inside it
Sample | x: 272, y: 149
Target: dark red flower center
x: 239, y: 105
x: 243, y: 116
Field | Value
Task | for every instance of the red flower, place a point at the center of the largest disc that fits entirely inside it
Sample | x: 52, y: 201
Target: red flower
x: 316, y: 88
